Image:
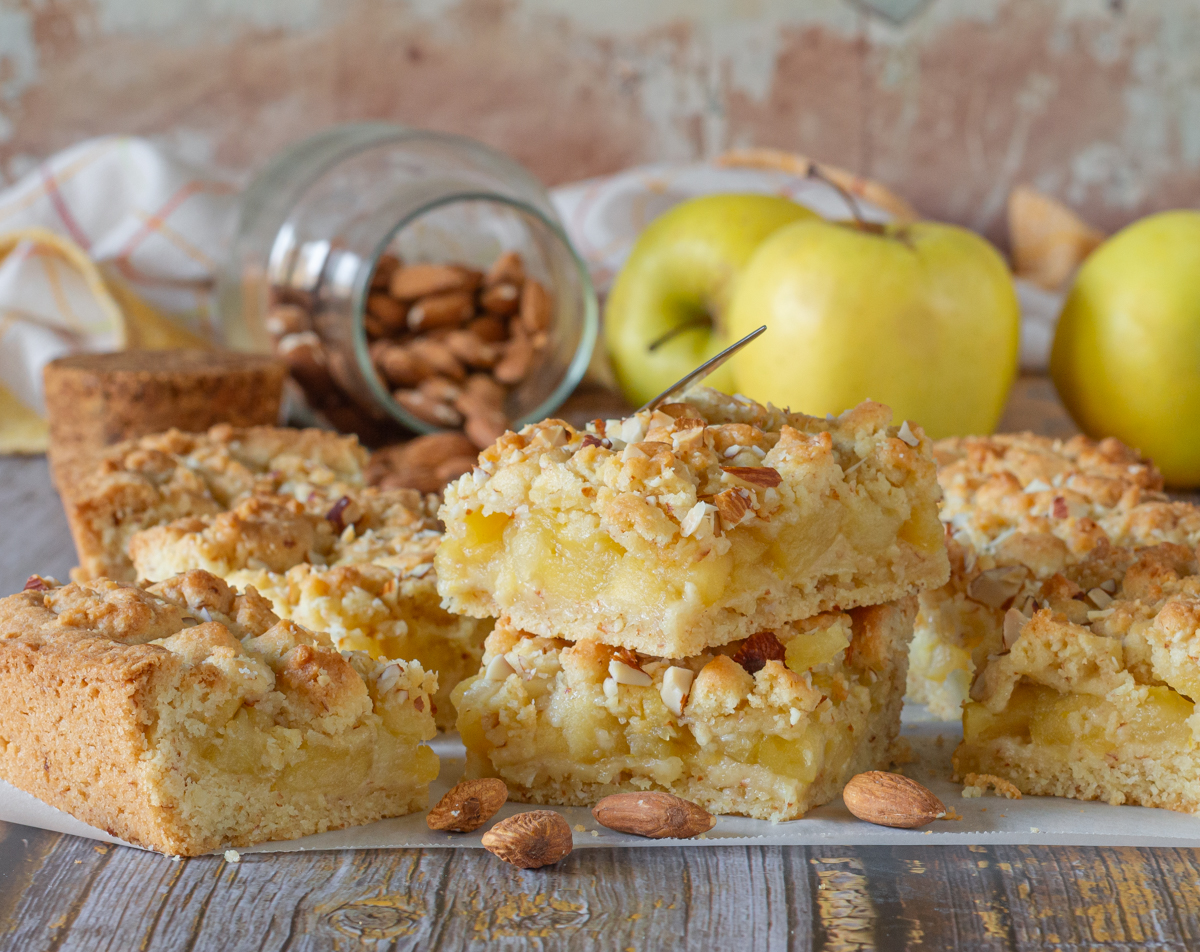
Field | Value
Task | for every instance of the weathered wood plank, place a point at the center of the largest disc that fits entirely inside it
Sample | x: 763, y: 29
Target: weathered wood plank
x: 36, y: 537
x: 81, y: 896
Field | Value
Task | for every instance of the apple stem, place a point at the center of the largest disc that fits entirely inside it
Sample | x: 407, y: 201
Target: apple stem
x: 679, y: 329
x: 814, y: 172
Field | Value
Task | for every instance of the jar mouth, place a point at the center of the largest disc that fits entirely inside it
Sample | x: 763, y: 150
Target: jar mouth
x: 588, y: 332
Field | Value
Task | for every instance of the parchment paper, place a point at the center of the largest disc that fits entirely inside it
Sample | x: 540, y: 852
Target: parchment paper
x: 986, y: 819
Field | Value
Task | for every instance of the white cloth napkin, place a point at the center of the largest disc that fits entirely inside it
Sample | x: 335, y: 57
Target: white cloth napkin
x: 115, y: 242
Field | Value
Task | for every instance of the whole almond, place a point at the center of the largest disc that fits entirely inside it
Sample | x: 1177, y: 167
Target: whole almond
x: 441, y: 389
x: 535, y: 307
x: 448, y: 309
x: 485, y: 390
x: 287, y: 319
x: 484, y: 426
x: 508, y: 268
x: 471, y: 350
x: 437, y: 355
x: 384, y: 269
x: 514, y: 365
x: 305, y: 357
x: 502, y: 299
x: 435, y: 449
x: 530, y: 840
x: 468, y: 805
x: 388, y: 310
x: 400, y: 366
x: 430, y: 411
x: 454, y: 467
x: 489, y: 329
x: 653, y: 814
x: 889, y: 799
x: 418, y: 280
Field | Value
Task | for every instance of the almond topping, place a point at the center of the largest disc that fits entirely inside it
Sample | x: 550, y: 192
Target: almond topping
x: 758, y: 649
x: 732, y: 504
x: 1100, y: 598
x: 623, y: 673
x: 653, y: 814
x: 530, y: 840
x: 1014, y: 621
x: 468, y: 805
x: 996, y: 586
x: 676, y: 685
x: 907, y: 435
x: 889, y: 799
x: 765, y: 476
x: 499, y: 669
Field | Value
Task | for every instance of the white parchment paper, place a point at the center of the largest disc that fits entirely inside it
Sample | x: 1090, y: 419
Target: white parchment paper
x: 987, y: 819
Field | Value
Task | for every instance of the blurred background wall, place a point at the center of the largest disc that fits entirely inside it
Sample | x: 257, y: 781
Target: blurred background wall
x: 950, y: 101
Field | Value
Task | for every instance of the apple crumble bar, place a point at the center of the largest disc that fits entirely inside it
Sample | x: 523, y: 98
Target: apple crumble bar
x: 768, y: 727
x: 155, y: 479
x: 1018, y: 509
x: 691, y: 526
x: 361, y: 572
x: 186, y: 716
x: 1093, y: 696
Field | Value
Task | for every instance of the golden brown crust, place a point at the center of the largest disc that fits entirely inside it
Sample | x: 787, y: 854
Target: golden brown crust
x: 630, y: 531
x: 361, y: 570
x: 188, y: 715
x: 156, y: 479
x: 1018, y: 509
x: 1093, y: 696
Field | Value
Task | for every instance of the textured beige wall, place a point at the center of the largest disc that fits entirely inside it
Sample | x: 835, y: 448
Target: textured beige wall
x: 1096, y: 101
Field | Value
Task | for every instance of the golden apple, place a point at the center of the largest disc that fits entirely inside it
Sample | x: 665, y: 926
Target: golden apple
x: 923, y: 317
x: 665, y: 312
x: 1126, y: 355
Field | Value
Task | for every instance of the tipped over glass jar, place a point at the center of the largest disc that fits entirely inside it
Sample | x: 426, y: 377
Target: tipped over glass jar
x: 414, y: 281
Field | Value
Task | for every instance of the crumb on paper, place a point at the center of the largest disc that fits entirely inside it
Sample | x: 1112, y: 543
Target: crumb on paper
x: 1034, y: 829
x: 595, y: 833
x: 902, y: 752
x: 951, y: 814
x: 100, y: 849
x: 579, y: 828
x: 980, y: 782
x: 984, y: 810
x: 929, y: 832
x: 233, y: 856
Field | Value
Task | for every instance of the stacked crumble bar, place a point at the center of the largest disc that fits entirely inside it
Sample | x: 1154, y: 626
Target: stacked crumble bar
x: 186, y: 716
x: 1093, y: 696
x: 287, y: 512
x: 1019, y: 509
x: 713, y: 598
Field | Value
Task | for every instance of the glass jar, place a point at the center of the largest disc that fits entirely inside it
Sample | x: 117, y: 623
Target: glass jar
x: 316, y: 224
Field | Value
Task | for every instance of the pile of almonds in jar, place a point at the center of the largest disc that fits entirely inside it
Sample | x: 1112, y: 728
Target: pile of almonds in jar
x: 449, y: 341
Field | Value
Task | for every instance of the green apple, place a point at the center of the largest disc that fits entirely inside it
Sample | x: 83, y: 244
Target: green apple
x: 923, y: 317
x: 674, y: 288
x: 1126, y: 355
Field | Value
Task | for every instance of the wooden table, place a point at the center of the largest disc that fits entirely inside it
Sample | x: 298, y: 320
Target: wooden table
x: 63, y: 893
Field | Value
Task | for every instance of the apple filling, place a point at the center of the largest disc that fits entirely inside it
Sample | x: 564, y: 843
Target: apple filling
x: 769, y: 726
x: 1102, y: 706
x: 671, y: 532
